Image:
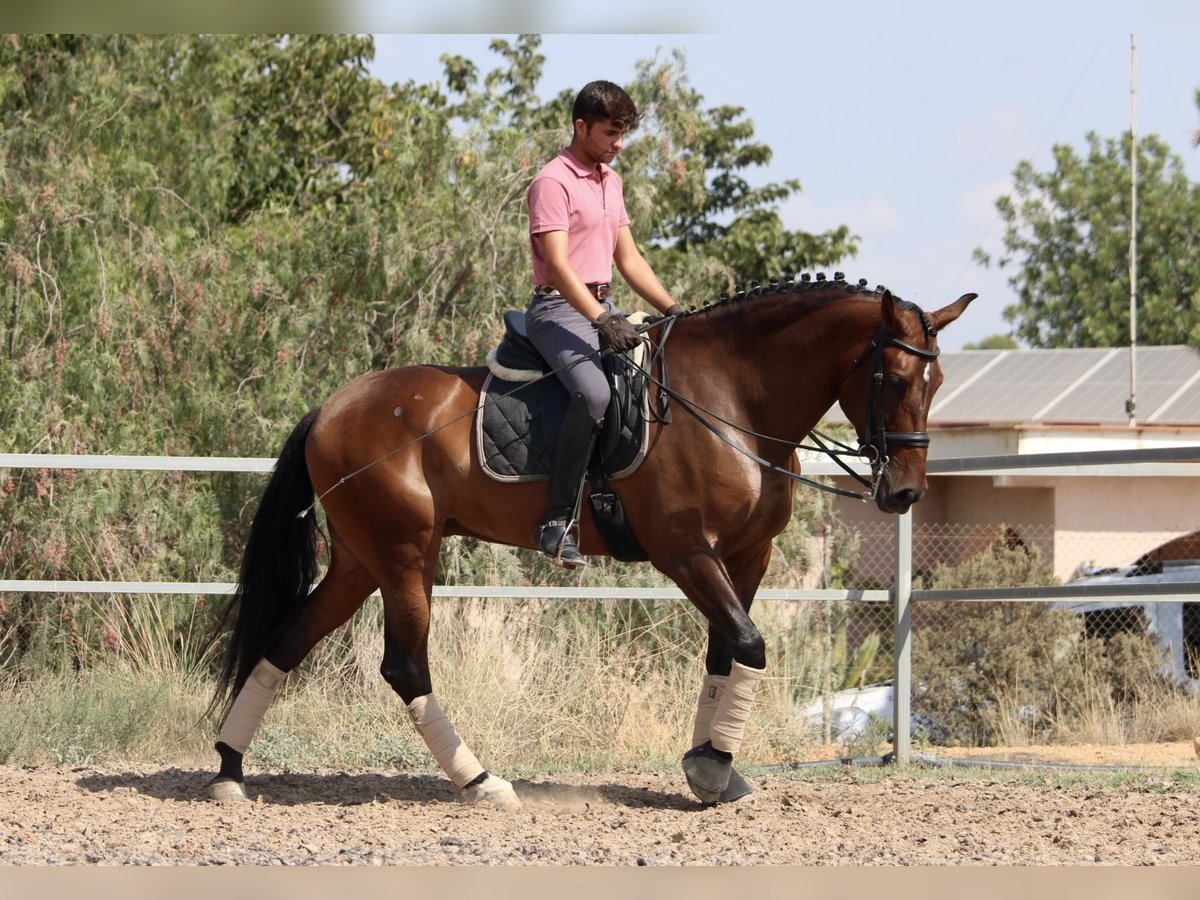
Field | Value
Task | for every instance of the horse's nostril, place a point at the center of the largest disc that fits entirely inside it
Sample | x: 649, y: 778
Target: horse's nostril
x: 899, y: 501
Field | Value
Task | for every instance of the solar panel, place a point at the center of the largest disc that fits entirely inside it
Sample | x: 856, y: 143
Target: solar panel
x: 1019, y: 385
x: 1066, y: 385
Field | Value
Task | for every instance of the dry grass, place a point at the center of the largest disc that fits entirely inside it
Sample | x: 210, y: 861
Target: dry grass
x: 532, y: 687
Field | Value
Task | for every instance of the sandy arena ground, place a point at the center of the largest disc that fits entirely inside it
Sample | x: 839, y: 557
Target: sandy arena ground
x: 114, y: 815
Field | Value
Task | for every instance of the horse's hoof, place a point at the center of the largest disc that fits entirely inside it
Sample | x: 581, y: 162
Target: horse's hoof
x: 737, y: 788
x: 495, y: 792
x: 708, y: 773
x: 222, y: 789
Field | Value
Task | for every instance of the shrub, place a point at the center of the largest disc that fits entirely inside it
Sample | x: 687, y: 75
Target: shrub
x: 1013, y: 673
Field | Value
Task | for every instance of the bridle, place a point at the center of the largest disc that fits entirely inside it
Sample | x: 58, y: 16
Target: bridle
x: 876, y: 447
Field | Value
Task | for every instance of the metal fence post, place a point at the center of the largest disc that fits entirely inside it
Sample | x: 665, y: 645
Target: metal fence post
x: 902, y: 641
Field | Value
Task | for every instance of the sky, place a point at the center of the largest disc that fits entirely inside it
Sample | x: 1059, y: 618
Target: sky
x: 903, y: 121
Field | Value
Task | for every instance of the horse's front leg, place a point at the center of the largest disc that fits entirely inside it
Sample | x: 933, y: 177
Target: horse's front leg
x: 735, y: 664
x: 718, y: 665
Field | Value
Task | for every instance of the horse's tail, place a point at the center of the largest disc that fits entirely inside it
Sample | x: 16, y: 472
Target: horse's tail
x: 278, y: 568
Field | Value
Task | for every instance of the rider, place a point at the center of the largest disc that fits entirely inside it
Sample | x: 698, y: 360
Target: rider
x: 578, y: 228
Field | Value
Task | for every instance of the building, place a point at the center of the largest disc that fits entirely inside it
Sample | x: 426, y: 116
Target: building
x: 1021, y: 402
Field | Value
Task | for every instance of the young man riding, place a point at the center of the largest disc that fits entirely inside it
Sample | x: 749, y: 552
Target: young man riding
x: 578, y: 228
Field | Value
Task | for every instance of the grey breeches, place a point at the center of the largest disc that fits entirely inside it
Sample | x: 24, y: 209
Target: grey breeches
x: 562, y: 335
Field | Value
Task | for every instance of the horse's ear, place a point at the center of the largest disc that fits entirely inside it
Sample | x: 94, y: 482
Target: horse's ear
x: 888, y: 308
x: 947, y: 314
x: 891, y: 308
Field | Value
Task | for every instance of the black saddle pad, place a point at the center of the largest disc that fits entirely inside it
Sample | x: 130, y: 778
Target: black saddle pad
x: 518, y: 419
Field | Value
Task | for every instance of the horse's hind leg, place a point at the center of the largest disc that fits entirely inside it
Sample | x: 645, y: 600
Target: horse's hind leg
x: 339, y: 595
x: 406, y: 668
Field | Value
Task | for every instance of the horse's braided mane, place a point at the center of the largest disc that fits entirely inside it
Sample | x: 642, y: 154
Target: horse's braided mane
x: 788, y: 284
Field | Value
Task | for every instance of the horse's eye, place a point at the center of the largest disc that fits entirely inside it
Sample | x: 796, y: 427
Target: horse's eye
x: 895, y: 381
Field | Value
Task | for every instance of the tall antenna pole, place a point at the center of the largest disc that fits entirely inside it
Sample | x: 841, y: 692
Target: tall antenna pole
x: 1131, y: 403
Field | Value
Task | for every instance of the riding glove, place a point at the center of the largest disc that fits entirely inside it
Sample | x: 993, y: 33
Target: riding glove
x: 616, y: 332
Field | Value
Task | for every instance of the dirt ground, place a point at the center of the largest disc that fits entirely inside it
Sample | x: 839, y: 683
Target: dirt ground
x: 117, y: 815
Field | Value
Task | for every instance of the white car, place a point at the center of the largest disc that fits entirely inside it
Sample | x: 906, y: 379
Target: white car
x: 1174, y: 625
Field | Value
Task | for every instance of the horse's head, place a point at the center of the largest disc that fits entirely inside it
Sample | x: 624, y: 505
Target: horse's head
x: 887, y: 394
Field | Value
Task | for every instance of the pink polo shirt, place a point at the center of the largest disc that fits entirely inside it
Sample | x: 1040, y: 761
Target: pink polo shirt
x: 590, y: 206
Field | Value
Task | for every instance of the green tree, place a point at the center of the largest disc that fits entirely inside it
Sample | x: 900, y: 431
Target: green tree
x: 1196, y: 133
x: 302, y: 109
x: 1067, y: 245
x: 993, y: 342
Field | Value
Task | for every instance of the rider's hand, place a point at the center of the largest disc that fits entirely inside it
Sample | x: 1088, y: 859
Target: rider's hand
x: 675, y: 310
x: 616, y: 332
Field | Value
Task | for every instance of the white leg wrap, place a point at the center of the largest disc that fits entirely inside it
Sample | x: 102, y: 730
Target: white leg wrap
x: 710, y: 695
x: 456, y: 760
x: 728, y: 725
x: 250, y: 705
x: 495, y: 792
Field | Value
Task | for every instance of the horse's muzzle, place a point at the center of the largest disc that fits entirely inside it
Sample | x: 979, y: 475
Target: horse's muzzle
x: 898, y: 501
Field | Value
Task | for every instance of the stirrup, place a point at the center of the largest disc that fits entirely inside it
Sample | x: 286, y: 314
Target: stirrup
x: 554, y: 538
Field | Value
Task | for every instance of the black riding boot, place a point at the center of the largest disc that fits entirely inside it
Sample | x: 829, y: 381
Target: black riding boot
x: 571, y: 455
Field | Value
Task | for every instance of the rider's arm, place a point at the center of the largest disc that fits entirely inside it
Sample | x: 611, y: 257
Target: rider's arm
x: 637, y: 272
x: 553, y: 246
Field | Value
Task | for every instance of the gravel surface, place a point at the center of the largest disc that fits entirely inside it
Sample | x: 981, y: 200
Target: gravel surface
x: 152, y: 816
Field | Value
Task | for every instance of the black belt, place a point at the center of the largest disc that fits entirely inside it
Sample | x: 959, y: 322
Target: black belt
x: 599, y: 290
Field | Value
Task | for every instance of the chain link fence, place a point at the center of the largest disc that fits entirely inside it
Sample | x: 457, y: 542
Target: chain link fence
x: 1092, y: 681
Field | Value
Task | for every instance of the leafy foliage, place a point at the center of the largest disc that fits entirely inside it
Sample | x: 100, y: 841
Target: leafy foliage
x: 1013, y: 673
x: 993, y: 342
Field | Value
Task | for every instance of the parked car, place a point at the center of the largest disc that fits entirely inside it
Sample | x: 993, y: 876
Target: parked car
x: 1174, y: 625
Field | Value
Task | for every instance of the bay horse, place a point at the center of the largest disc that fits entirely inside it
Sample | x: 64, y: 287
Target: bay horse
x: 391, y: 459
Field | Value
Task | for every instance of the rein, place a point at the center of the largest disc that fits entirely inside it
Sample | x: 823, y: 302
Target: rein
x: 874, y: 450
x: 694, y: 409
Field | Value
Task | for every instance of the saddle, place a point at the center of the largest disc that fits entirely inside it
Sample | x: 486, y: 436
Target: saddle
x: 520, y: 412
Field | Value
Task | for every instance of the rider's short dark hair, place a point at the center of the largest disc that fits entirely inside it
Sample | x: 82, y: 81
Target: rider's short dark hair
x: 605, y: 100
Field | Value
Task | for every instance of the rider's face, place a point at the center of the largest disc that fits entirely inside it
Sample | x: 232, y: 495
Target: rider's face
x: 601, y: 141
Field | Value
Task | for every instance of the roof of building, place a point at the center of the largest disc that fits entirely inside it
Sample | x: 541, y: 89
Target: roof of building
x: 1086, y: 385
x: 1077, y: 386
